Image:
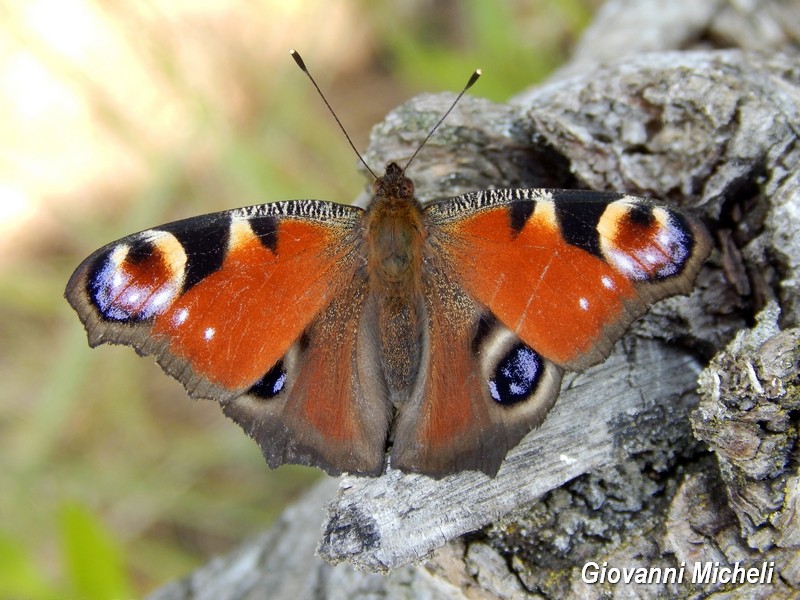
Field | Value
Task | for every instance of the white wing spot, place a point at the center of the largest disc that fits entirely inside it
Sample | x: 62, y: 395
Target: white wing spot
x: 181, y: 316
x: 584, y: 303
x: 607, y: 282
x: 209, y: 333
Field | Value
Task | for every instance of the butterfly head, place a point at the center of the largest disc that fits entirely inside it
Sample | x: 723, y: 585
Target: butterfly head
x: 393, y: 184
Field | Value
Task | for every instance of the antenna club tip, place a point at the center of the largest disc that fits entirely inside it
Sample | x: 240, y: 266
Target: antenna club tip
x: 296, y: 56
x: 473, y: 78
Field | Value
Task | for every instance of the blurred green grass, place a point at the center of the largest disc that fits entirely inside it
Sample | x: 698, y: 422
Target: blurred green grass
x: 113, y: 480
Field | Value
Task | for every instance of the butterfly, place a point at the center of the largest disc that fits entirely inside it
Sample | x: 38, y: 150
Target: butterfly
x: 436, y: 334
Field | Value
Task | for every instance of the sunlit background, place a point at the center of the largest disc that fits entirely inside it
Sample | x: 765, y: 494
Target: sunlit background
x: 116, y: 116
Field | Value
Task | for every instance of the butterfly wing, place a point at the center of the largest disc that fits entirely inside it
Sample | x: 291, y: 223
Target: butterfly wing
x: 520, y: 284
x: 325, y: 403
x: 568, y: 270
x: 228, y: 302
x: 479, y: 392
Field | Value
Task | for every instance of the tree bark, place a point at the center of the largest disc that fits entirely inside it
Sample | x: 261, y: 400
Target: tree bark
x: 621, y: 470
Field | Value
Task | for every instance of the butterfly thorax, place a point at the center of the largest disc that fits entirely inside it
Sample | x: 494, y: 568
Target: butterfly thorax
x: 394, y: 237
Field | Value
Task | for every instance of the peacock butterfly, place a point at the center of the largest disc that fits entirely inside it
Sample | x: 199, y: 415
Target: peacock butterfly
x: 440, y: 333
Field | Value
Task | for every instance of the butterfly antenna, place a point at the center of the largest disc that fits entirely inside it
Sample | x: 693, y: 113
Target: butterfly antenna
x: 300, y: 63
x: 473, y: 78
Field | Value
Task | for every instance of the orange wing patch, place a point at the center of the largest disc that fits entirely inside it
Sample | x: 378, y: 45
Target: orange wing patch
x: 243, y: 317
x: 556, y: 297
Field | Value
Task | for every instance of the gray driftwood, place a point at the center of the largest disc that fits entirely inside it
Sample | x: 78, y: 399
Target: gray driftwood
x: 617, y: 472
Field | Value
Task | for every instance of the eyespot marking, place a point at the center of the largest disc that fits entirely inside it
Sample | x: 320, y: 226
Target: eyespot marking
x: 516, y: 376
x: 139, y: 279
x: 272, y: 383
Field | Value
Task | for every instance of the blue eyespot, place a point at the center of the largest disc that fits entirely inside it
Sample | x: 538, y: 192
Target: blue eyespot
x: 516, y: 376
x: 271, y: 384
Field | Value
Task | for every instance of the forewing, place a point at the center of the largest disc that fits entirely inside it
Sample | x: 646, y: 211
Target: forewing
x: 567, y: 271
x: 232, y: 303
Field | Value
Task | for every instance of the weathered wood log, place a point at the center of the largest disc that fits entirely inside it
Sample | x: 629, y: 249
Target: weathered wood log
x: 615, y: 473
